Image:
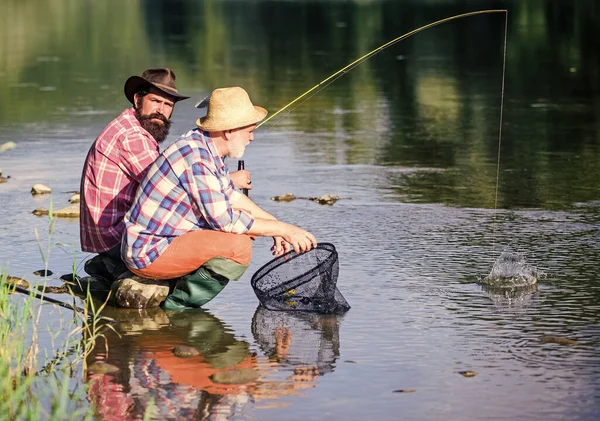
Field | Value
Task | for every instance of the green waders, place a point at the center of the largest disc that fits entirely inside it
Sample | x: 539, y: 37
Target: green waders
x: 199, y: 287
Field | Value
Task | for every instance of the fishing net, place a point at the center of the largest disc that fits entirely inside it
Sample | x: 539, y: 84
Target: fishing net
x: 301, y: 282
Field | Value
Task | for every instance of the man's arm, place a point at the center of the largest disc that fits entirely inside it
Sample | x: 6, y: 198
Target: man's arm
x: 267, y: 225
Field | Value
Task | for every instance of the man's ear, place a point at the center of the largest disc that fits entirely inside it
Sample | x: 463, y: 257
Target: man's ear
x: 136, y: 100
x: 227, y: 134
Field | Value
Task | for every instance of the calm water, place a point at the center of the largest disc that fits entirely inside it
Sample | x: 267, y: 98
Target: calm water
x: 409, y: 140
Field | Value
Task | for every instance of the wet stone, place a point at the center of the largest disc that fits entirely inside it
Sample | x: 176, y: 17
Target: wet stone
x: 40, y: 189
x: 237, y: 376
x: 76, y: 198
x: 327, y: 199
x: 3, y: 179
x: 43, y: 272
x: 14, y: 280
x: 132, y: 291
x: 405, y: 391
x: 71, y: 211
x: 288, y: 197
x: 559, y: 340
x: 467, y: 373
x: 49, y: 289
x: 99, y: 367
x: 185, y: 351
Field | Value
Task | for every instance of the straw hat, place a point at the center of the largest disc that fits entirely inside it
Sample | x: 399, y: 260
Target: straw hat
x: 161, y: 79
x: 228, y: 109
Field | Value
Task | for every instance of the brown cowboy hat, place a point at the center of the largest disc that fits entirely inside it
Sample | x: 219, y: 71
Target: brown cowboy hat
x: 228, y: 109
x: 161, y: 79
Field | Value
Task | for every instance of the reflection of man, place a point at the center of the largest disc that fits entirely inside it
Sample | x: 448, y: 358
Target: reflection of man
x: 120, y: 156
x: 134, y: 364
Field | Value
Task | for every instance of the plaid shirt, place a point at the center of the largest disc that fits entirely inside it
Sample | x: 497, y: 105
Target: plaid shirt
x: 187, y: 188
x: 113, y: 169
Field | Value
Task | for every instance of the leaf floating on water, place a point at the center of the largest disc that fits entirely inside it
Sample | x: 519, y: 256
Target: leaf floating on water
x: 559, y: 340
x: 468, y: 373
x: 43, y: 272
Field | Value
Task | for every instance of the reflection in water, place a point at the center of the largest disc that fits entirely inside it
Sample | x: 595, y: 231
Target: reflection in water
x: 138, y: 371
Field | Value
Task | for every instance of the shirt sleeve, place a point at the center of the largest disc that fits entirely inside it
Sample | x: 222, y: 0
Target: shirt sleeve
x: 137, y: 153
x: 209, y: 190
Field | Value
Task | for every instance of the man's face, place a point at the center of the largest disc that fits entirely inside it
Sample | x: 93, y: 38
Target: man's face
x: 153, y: 111
x: 239, y: 139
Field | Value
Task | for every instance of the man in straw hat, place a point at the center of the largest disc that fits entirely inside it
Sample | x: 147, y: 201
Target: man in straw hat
x: 188, y: 221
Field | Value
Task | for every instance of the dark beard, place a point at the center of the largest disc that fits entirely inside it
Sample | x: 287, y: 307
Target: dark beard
x: 158, y: 131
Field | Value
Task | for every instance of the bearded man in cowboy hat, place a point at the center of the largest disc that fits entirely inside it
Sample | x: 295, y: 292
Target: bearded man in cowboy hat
x: 187, y: 220
x: 120, y: 156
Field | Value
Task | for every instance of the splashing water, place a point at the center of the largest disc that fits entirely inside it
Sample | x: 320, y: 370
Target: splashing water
x: 511, y: 270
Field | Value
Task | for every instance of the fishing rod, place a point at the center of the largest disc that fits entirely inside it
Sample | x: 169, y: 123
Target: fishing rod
x: 330, y: 79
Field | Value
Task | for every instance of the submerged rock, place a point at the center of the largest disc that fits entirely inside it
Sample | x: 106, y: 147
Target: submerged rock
x: 559, y: 340
x: 76, y: 198
x: 185, y: 351
x: 14, y: 280
x: 49, y: 289
x: 288, y: 197
x: 326, y: 199
x: 132, y: 291
x: 100, y: 367
x: 71, y: 211
x: 7, y: 146
x: 235, y: 376
x: 468, y: 373
x: 40, y: 189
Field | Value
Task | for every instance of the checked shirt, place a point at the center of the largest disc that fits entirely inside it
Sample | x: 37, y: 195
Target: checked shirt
x: 187, y: 188
x: 113, y: 169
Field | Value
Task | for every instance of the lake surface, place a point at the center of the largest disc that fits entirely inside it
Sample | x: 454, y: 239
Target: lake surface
x: 409, y: 140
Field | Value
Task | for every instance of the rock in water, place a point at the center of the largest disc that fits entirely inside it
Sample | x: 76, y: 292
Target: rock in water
x: 71, y: 211
x: 40, y: 189
x: 326, y: 199
x: 512, y: 271
x: 76, y: 198
x: 185, y: 351
x: 132, y: 291
x: 288, y: 197
x: 7, y: 146
x: 14, y: 280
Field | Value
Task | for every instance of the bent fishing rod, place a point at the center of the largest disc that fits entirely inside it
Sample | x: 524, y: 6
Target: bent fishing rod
x: 330, y: 79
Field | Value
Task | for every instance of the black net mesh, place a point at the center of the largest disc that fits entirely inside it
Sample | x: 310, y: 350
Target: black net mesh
x: 301, y: 282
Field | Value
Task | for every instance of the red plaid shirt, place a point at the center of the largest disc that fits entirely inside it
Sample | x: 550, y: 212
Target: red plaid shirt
x: 113, y: 169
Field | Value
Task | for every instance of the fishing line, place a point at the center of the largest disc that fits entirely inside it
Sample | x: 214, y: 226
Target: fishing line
x: 332, y: 78
x: 500, y: 128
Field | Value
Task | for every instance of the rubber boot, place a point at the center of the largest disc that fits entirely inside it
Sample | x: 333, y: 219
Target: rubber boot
x: 199, y: 287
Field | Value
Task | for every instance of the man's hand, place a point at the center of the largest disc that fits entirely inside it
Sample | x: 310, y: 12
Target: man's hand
x: 241, y: 179
x: 298, y: 238
x: 280, y: 246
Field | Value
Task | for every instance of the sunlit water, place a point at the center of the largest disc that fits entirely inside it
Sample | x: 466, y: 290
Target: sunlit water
x: 416, y: 227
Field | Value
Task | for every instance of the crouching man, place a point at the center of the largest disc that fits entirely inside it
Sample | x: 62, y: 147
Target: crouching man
x: 187, y: 221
